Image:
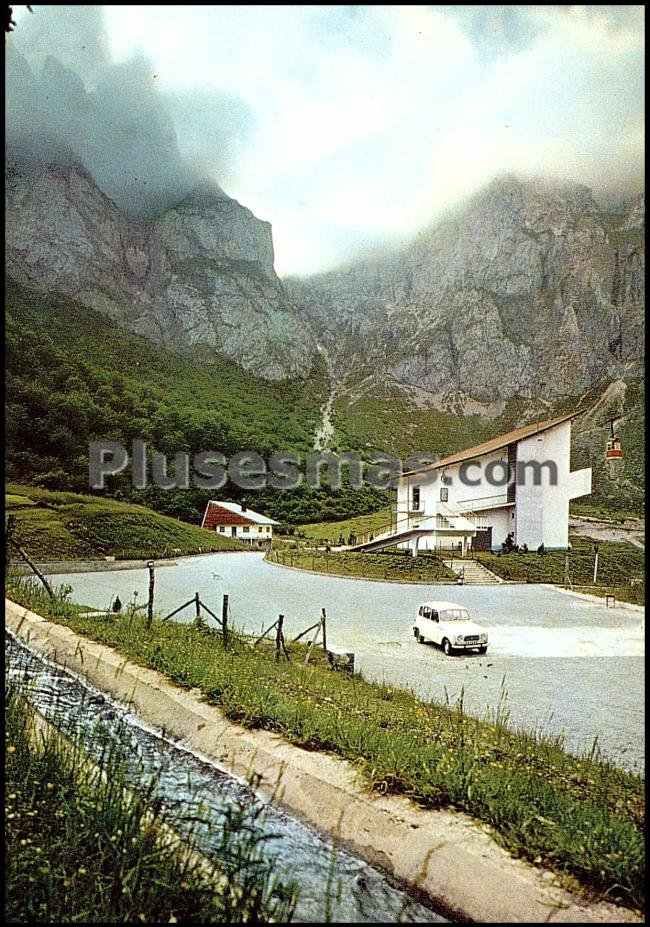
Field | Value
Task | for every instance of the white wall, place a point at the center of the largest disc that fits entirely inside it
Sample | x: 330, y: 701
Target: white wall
x: 254, y: 533
x: 542, y: 512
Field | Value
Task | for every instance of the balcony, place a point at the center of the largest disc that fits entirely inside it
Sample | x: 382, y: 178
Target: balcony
x: 485, y: 502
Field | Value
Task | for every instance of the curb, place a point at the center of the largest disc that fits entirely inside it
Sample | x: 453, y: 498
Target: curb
x: 366, y: 579
x: 598, y: 599
x: 426, y: 850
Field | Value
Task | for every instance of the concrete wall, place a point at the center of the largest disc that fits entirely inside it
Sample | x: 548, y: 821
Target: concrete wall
x: 501, y: 522
x: 542, y: 511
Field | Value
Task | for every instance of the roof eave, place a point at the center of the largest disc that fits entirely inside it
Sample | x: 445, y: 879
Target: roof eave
x: 509, y: 438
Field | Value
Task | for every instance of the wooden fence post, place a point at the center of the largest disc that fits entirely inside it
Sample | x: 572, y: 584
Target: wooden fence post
x: 197, y: 606
x: 313, y: 641
x: 151, y: 588
x: 224, y: 620
x: 278, y: 637
x: 34, y: 568
x: 10, y: 525
x: 322, y: 621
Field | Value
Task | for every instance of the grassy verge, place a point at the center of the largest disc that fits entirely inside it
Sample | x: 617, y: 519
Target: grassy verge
x: 82, y: 848
x: 331, y: 531
x: 395, y: 565
x: 618, y: 563
x: 580, y: 816
x: 71, y: 526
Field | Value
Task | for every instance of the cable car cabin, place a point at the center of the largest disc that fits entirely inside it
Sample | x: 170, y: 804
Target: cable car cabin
x: 614, y: 450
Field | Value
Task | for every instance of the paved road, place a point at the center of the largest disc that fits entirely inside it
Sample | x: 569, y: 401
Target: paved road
x: 569, y: 664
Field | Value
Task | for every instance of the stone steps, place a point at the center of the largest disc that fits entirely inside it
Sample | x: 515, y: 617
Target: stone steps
x: 474, y: 573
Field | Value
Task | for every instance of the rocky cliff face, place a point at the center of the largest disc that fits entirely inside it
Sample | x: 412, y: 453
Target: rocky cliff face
x: 200, y: 272
x: 530, y: 289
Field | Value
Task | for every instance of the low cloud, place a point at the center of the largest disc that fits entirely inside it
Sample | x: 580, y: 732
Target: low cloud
x: 346, y: 126
x: 67, y: 101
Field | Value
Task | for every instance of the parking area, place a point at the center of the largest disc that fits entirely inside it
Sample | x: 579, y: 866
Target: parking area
x: 562, y: 663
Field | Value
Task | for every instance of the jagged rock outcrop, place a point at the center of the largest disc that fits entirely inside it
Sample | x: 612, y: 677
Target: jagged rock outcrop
x: 528, y: 289
x: 200, y: 272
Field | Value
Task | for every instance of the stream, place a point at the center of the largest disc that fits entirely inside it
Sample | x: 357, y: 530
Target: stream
x: 197, y: 793
x: 325, y: 432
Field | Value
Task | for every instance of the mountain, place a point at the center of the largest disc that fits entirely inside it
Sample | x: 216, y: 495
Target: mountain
x: 527, y: 299
x: 529, y: 289
x: 200, y: 272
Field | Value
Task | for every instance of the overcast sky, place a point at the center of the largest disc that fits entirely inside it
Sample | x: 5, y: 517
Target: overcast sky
x: 348, y: 126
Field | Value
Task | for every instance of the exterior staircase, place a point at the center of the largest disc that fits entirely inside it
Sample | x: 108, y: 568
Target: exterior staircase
x: 474, y: 572
x: 390, y: 539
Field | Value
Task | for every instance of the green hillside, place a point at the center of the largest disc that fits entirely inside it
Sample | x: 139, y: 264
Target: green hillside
x: 385, y: 417
x: 362, y: 524
x: 70, y: 526
x: 73, y: 376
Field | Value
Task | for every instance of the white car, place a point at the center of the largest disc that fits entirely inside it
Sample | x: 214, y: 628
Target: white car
x: 449, y: 626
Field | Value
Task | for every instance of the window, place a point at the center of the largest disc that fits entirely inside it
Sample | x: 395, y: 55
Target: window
x: 246, y: 529
x: 416, y: 497
x: 222, y: 529
x: 268, y: 529
x: 444, y: 494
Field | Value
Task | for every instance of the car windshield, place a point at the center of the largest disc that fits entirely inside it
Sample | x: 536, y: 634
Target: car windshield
x: 456, y: 614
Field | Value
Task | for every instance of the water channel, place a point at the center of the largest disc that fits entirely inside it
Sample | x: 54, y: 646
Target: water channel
x: 196, y: 794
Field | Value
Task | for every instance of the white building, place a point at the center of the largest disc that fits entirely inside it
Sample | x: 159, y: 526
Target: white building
x: 237, y: 521
x: 519, y: 483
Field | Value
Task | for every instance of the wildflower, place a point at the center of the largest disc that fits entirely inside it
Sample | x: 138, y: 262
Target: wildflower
x: 49, y: 786
x: 11, y: 749
x: 23, y: 843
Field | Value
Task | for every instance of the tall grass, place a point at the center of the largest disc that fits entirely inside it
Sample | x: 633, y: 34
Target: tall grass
x: 579, y: 815
x: 83, y: 848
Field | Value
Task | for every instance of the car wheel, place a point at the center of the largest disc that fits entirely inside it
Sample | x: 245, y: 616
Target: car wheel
x: 482, y: 650
x: 447, y: 648
x: 416, y: 633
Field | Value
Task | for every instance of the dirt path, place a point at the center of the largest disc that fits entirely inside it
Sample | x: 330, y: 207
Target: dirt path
x: 632, y: 530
